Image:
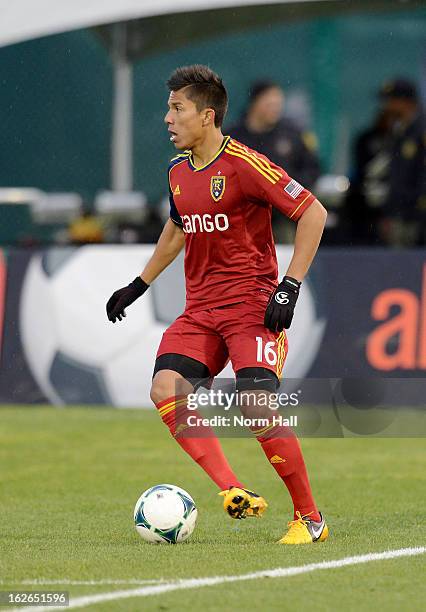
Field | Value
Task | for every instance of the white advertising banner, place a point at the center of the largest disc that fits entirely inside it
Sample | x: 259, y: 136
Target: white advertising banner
x: 77, y: 356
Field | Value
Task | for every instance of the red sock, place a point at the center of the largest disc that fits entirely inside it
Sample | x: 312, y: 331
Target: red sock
x: 282, y: 448
x: 200, y: 442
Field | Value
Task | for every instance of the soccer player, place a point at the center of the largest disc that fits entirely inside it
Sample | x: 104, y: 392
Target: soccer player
x: 221, y: 196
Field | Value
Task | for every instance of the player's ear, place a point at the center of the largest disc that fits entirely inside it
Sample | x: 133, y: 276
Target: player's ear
x: 208, y: 118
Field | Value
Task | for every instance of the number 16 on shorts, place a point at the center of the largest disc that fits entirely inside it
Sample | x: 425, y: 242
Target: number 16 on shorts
x: 272, y: 353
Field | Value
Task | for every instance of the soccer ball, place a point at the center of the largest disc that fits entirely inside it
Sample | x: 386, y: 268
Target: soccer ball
x: 165, y: 513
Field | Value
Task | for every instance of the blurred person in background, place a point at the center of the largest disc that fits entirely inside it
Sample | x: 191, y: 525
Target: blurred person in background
x: 263, y: 128
x: 368, y: 182
x: 404, y: 208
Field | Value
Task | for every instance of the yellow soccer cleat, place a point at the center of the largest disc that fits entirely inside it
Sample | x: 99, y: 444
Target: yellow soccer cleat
x: 241, y: 503
x: 305, y: 531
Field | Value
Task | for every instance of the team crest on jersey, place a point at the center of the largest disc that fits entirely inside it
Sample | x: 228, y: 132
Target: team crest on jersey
x: 217, y: 187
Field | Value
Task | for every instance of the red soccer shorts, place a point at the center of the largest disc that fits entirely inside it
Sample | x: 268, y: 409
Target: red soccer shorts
x: 234, y: 331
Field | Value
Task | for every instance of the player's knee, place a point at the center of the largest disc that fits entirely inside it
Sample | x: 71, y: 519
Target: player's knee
x: 255, y: 385
x: 162, y: 387
x: 257, y: 379
x: 176, y: 374
x: 167, y: 383
x: 157, y: 393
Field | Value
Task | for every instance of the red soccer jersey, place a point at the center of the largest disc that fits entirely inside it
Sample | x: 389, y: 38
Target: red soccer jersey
x: 224, y: 209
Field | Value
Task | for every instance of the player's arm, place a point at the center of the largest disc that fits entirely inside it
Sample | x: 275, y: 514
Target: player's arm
x: 280, y: 310
x: 168, y: 247
x: 308, y: 236
x: 267, y: 182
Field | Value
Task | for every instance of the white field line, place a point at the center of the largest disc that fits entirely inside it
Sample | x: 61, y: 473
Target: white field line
x: 66, y: 582
x: 194, y: 583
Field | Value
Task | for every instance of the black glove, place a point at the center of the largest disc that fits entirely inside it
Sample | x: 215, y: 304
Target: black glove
x: 280, y: 309
x: 122, y: 298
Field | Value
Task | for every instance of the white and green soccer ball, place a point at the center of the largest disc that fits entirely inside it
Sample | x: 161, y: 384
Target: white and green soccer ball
x: 165, y: 514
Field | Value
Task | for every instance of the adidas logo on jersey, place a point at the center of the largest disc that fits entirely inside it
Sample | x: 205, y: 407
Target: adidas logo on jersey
x: 177, y: 190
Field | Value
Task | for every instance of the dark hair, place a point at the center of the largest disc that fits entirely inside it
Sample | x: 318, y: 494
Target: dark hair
x: 399, y: 88
x: 259, y: 87
x: 205, y: 89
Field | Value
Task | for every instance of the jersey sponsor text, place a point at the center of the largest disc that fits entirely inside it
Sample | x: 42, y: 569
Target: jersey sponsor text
x: 205, y: 223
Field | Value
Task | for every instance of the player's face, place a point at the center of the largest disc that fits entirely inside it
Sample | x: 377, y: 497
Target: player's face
x: 185, y: 123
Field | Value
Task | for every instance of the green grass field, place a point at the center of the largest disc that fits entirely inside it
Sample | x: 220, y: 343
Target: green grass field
x: 69, y: 480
